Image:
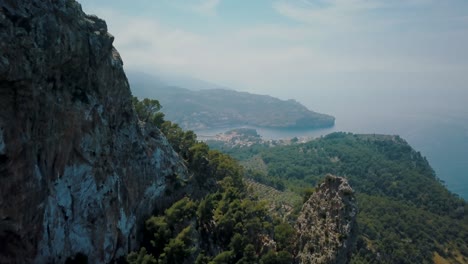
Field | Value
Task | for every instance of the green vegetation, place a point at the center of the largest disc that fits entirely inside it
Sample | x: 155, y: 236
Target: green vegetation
x: 147, y: 110
x: 225, y: 225
x: 227, y: 219
x: 406, y: 214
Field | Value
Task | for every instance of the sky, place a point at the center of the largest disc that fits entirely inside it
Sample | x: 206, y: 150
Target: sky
x: 283, y: 48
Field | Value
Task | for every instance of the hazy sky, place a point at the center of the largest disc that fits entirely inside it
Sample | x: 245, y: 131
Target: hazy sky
x: 278, y: 47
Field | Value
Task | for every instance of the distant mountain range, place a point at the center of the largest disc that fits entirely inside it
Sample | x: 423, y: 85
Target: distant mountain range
x: 161, y: 78
x: 212, y: 108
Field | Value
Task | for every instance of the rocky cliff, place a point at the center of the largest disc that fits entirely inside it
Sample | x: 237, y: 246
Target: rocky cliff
x: 78, y: 172
x: 326, y: 225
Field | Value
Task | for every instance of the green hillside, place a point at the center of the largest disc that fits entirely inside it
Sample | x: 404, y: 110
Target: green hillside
x: 406, y: 214
x: 217, y: 220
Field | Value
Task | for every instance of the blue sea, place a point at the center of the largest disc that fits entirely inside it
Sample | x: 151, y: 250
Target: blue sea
x: 434, y: 122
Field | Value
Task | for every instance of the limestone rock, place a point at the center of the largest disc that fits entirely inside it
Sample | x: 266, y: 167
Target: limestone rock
x: 78, y: 172
x: 326, y: 225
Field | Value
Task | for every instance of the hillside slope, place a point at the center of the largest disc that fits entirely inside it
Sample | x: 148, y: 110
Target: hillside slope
x: 405, y: 214
x: 227, y: 223
x: 221, y: 108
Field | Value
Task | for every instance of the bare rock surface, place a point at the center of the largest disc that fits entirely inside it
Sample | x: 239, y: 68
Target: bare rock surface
x: 326, y: 226
x: 78, y: 172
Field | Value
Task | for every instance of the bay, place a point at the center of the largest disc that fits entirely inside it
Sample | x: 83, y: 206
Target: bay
x: 434, y: 122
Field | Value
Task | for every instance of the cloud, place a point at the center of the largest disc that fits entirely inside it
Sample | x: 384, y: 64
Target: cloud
x: 462, y: 19
x: 337, y: 15
x: 264, y: 57
x: 206, y: 7
x: 234, y: 60
x: 345, y: 15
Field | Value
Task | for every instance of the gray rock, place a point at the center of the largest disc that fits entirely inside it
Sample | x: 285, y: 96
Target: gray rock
x: 326, y: 225
x: 78, y: 172
x: 2, y: 142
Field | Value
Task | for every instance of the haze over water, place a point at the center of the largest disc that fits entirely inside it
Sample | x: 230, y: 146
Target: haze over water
x: 430, y: 114
x: 433, y: 121
x: 431, y: 117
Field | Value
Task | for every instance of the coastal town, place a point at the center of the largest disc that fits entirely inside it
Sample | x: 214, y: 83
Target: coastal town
x: 247, y: 137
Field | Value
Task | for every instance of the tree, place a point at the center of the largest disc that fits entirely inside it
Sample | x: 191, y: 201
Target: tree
x: 283, y: 234
x: 147, y: 110
x: 224, y: 257
x: 159, y: 233
x: 237, y: 244
x: 307, y: 193
x: 180, y: 211
x: 202, y: 259
x: 142, y: 257
x: 179, y: 248
x: 282, y: 257
x: 250, y: 257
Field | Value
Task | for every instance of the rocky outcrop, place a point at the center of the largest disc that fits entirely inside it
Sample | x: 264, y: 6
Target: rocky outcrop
x: 78, y: 172
x: 326, y: 225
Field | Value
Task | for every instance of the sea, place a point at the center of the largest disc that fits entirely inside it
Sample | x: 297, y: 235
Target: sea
x: 433, y: 121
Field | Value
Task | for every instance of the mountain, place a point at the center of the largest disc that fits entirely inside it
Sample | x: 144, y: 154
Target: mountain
x: 79, y: 172
x: 157, y: 78
x: 221, y: 108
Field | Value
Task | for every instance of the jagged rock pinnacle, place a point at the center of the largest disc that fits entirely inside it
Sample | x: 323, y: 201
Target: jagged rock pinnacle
x: 326, y: 225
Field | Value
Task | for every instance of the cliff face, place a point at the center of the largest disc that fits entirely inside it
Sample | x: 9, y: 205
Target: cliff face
x: 326, y: 225
x: 78, y: 173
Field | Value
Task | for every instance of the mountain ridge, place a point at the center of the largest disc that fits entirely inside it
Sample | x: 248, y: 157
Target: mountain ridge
x: 172, y: 79
x: 225, y: 108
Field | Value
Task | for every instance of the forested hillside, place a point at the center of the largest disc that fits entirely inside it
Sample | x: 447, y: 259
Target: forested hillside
x: 406, y: 214
x: 218, y: 221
